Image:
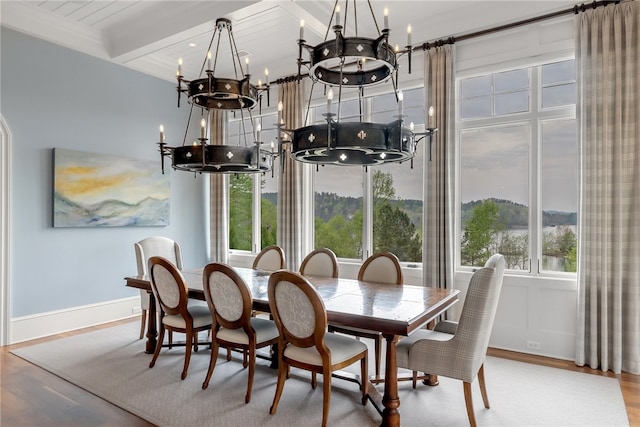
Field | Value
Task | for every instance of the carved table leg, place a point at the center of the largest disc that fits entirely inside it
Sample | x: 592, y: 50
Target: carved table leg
x: 152, y: 328
x: 390, y: 400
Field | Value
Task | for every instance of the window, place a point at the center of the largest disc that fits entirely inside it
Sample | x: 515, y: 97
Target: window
x: 248, y: 228
x: 338, y: 198
x: 359, y: 211
x: 397, y: 187
x: 518, y: 168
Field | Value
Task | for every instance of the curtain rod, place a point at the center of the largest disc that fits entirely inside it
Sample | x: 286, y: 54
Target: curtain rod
x: 451, y: 40
x: 575, y: 10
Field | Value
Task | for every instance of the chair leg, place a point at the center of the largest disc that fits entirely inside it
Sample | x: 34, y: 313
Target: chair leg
x: 187, y: 354
x: 228, y: 354
x: 326, y: 395
x: 378, y: 350
x: 483, y: 388
x: 212, y: 363
x: 158, y: 346
x: 469, y: 402
x: 364, y: 373
x: 414, y: 378
x: 143, y: 323
x: 282, y: 376
x: 314, y: 380
x: 195, y: 341
x: 252, y: 366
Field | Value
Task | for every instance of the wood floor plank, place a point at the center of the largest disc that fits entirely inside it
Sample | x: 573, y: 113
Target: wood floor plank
x: 32, y: 396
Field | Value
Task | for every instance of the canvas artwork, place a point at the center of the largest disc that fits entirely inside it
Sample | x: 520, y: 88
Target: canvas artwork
x: 97, y: 190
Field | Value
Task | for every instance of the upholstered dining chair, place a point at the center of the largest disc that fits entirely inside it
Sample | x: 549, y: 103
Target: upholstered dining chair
x: 304, y: 342
x: 146, y: 248
x: 171, y: 292
x: 458, y: 350
x: 270, y: 258
x: 229, y: 300
x: 320, y: 262
x: 381, y: 267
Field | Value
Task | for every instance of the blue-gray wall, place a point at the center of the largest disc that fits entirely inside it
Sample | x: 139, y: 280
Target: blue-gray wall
x: 53, y: 97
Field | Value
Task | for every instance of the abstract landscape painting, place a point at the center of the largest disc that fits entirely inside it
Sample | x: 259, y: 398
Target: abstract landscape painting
x: 96, y: 190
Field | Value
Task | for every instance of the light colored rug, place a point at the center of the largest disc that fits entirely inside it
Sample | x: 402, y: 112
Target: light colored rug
x: 111, y: 364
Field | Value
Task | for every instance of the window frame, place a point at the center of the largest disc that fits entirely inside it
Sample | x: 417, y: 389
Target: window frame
x: 535, y: 118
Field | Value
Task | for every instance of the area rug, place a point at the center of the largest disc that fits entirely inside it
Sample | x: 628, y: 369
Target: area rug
x: 111, y: 364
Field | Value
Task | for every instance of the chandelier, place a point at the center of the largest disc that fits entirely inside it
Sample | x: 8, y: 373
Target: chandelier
x: 207, y: 93
x: 352, y: 62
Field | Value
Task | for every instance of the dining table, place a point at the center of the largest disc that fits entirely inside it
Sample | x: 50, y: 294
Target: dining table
x: 393, y: 310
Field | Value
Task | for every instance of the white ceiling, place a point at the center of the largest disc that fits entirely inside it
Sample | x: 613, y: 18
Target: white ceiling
x: 150, y: 36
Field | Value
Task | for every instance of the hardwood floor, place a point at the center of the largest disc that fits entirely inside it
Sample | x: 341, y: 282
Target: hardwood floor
x: 31, y: 396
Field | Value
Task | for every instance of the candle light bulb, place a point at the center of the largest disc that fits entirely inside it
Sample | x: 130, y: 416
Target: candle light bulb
x: 338, y: 15
x: 409, y: 35
x: 302, y: 29
x: 209, y: 60
x: 280, y: 108
x: 431, y: 119
x: 329, y: 100
x: 400, y: 99
x: 397, y: 48
x: 179, y: 66
x: 266, y: 75
x: 386, y: 18
x: 203, y: 128
x: 161, y: 133
x: 246, y: 62
x: 412, y: 126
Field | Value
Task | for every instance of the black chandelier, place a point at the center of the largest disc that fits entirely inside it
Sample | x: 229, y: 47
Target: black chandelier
x: 353, y: 62
x: 209, y: 92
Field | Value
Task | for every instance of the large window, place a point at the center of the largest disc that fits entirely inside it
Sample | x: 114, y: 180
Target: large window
x: 360, y: 211
x: 249, y: 230
x: 518, y: 168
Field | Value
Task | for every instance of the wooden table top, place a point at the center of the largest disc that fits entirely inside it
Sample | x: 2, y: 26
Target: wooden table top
x: 390, y: 309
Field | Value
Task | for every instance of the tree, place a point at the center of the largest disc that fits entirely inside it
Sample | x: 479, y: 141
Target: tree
x: 393, y: 230
x: 480, y: 230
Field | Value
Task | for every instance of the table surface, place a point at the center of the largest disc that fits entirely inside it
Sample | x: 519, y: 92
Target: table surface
x: 390, y: 309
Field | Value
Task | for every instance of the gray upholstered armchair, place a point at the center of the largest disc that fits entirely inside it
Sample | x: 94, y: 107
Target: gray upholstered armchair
x: 458, y: 351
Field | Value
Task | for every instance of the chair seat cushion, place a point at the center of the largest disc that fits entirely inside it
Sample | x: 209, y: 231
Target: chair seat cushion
x: 403, y: 348
x: 342, y: 348
x: 265, y: 329
x: 200, y: 313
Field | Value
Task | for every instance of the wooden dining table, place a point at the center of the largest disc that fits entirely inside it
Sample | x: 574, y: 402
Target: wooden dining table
x: 393, y: 310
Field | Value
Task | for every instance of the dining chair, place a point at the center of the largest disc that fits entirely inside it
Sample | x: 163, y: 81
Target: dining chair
x: 229, y: 300
x: 146, y: 248
x: 304, y: 342
x: 321, y: 263
x: 177, y: 315
x: 270, y: 258
x: 381, y: 267
x: 459, y: 350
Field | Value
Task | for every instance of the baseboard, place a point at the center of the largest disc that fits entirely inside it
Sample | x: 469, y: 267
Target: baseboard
x: 55, y: 322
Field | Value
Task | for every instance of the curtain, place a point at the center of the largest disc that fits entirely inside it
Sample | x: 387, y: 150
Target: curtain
x: 218, y: 198
x: 439, y: 172
x: 290, y: 185
x: 608, y: 65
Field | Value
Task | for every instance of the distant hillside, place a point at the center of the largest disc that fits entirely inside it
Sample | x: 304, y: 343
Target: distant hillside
x: 516, y: 215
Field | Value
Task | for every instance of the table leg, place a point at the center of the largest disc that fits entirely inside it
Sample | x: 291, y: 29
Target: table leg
x: 390, y: 400
x: 152, y: 327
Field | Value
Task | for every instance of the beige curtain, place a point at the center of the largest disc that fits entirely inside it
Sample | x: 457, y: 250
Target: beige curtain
x: 218, y: 198
x: 439, y: 172
x: 608, y: 64
x: 290, y: 184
